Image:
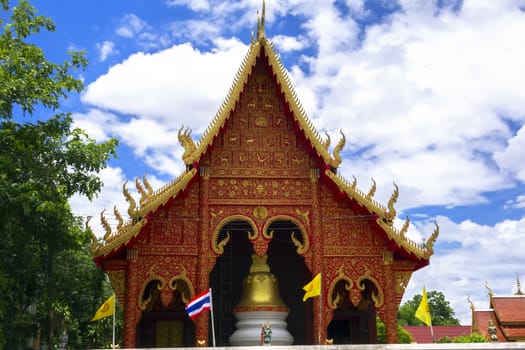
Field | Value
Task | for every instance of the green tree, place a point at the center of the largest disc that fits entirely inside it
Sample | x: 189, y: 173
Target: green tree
x: 82, y: 288
x: 403, y: 336
x: 473, y: 338
x: 441, y: 312
x: 42, y: 164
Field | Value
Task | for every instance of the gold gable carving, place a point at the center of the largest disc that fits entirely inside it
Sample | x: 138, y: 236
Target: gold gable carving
x: 267, y: 154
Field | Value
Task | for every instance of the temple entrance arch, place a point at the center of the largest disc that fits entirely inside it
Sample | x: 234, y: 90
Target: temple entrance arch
x: 353, y: 324
x: 231, y: 266
x: 160, y: 325
x: 232, y: 240
x: 288, y: 239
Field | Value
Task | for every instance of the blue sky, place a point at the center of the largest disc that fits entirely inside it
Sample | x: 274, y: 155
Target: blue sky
x: 430, y: 95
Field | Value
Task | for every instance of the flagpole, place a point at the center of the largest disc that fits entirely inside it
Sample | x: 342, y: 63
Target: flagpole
x: 114, y: 312
x: 212, y: 322
x: 432, y: 332
x: 320, y: 310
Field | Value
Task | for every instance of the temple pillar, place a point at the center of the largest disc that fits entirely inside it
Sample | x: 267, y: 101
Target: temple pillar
x: 132, y: 311
x: 317, y: 259
x: 391, y: 305
x: 202, y: 273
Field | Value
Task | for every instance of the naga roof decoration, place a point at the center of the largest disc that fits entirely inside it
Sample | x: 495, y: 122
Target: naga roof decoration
x: 386, y: 216
x: 151, y: 200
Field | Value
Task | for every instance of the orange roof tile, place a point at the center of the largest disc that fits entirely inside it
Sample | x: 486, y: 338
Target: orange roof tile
x: 422, y: 334
x: 514, y: 332
x: 481, y: 320
x: 509, y: 309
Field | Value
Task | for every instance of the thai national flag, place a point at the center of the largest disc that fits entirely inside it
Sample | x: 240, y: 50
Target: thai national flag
x: 199, y: 304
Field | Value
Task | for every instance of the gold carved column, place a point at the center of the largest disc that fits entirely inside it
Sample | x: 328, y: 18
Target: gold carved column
x: 391, y: 305
x: 317, y: 260
x: 132, y: 311
x: 202, y: 282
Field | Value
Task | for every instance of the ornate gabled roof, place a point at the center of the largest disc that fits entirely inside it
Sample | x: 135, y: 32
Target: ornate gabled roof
x: 261, y: 46
x: 385, y: 216
x: 150, y: 201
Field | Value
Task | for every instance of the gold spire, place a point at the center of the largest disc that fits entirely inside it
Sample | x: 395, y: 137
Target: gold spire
x: 260, y: 23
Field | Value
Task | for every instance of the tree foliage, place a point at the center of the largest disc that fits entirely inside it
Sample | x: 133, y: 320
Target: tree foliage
x: 403, y: 336
x: 27, y: 78
x: 47, y: 279
x: 441, y: 312
x: 473, y: 338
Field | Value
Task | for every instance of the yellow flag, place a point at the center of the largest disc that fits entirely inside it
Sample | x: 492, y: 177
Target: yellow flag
x: 107, y: 309
x: 313, y: 288
x: 423, y: 311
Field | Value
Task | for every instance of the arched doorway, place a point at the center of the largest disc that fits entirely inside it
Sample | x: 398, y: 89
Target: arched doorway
x: 162, y: 326
x: 353, y: 324
x: 227, y: 275
x: 292, y: 273
x: 285, y: 263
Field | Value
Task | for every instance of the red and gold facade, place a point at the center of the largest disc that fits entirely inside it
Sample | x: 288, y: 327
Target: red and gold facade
x: 261, y: 180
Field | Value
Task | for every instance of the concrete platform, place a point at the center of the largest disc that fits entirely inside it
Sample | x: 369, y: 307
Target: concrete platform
x: 473, y: 346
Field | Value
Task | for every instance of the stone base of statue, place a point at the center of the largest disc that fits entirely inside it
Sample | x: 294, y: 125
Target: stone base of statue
x: 248, y: 328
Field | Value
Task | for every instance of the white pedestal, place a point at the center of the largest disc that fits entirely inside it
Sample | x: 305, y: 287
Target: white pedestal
x: 249, y: 326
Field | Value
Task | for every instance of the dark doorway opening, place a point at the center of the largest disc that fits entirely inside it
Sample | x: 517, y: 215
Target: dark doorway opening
x: 292, y: 273
x: 353, y: 324
x: 226, y: 278
x: 164, y: 326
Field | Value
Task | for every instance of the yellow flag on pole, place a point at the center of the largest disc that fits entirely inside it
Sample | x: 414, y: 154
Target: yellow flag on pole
x: 423, y: 311
x: 107, y: 309
x: 313, y: 288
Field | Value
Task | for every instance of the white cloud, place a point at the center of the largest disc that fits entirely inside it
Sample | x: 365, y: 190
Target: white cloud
x: 511, y: 158
x: 195, y: 30
x: 105, y: 49
x: 161, y: 152
x: 176, y: 86
x: 466, y: 256
x: 96, y: 123
x: 195, y: 5
x: 518, y: 202
x: 131, y: 25
x: 425, y: 99
x: 285, y: 43
x: 111, y: 196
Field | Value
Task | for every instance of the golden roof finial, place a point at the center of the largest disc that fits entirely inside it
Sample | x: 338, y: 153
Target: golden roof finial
x: 372, y: 190
x: 488, y: 289
x: 337, y: 150
x: 119, y: 218
x: 471, y: 303
x: 105, y: 224
x: 432, y: 239
x: 94, y: 239
x: 260, y: 23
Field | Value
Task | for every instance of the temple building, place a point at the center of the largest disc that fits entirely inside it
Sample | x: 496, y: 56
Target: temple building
x: 261, y: 195
x: 504, y: 319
